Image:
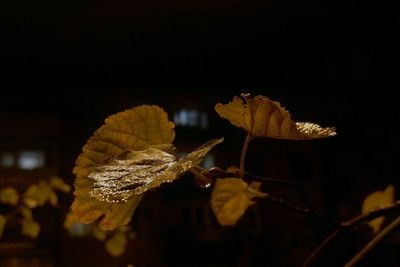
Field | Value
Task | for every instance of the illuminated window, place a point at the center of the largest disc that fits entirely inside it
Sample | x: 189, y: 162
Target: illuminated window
x: 7, y: 160
x: 191, y: 118
x: 31, y: 159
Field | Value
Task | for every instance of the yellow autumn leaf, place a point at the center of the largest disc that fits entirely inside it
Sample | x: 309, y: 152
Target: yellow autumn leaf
x: 3, y: 221
x: 134, y: 129
x: 376, y: 200
x: 30, y: 228
x: 134, y: 172
x: 262, y: 117
x: 116, y: 244
x: 9, y: 196
x: 231, y: 197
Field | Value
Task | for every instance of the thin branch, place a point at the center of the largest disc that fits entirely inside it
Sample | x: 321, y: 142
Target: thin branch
x: 371, y: 215
x: 349, y: 225
x: 301, y: 210
x: 216, y: 172
x: 320, y: 248
x: 243, y: 155
x: 379, y: 237
x: 251, y: 177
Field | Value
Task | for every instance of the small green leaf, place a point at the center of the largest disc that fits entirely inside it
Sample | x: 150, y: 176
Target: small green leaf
x: 9, y: 196
x: 3, y: 221
x: 116, y: 244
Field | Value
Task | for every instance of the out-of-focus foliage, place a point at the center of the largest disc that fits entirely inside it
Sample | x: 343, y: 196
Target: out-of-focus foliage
x: 115, y: 241
x: 115, y: 245
x: 3, y: 221
x: 37, y: 195
x: 376, y: 200
x: 130, y: 154
x: 262, y: 117
x: 30, y: 228
x: 9, y: 196
x: 231, y: 197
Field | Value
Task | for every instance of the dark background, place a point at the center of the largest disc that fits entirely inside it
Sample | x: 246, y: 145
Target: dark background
x: 331, y: 62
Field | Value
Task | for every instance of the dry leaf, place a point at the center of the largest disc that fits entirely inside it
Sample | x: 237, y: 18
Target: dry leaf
x: 262, y: 117
x: 127, y: 156
x: 134, y: 129
x: 231, y: 197
x: 134, y: 172
x: 376, y: 200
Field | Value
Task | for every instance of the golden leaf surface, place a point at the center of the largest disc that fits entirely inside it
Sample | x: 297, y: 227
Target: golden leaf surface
x: 134, y: 129
x: 231, y: 197
x: 132, y: 173
x: 376, y: 200
x: 3, y: 221
x: 9, y: 196
x: 262, y: 117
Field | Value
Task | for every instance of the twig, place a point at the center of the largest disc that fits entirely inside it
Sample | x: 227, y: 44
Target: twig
x: 251, y: 177
x: 301, y: 210
x: 320, y: 247
x: 371, y: 244
x: 216, y: 172
x: 349, y: 225
x: 243, y: 155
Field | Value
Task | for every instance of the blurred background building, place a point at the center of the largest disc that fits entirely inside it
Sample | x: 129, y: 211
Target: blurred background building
x: 67, y: 65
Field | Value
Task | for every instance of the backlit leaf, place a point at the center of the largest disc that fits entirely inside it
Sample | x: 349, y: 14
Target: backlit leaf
x: 30, y: 228
x: 134, y: 129
x: 134, y: 172
x: 376, y: 200
x: 231, y: 197
x: 9, y: 196
x: 3, y: 221
x: 116, y: 244
x: 262, y: 117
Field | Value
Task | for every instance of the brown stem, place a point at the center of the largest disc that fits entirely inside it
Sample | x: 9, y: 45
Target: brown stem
x: 349, y: 225
x: 320, y: 248
x: 302, y: 210
x: 371, y: 244
x: 243, y: 155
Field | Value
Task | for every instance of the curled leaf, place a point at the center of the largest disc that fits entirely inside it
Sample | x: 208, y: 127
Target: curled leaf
x: 116, y: 244
x: 376, y: 200
x: 262, y: 117
x: 231, y: 197
x: 9, y: 196
x: 132, y: 173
